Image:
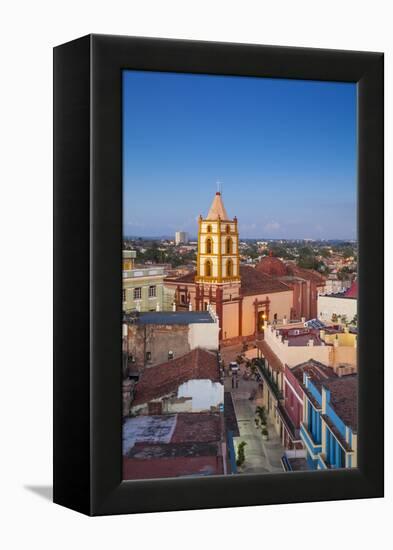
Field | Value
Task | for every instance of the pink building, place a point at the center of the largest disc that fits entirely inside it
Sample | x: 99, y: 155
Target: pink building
x: 290, y: 409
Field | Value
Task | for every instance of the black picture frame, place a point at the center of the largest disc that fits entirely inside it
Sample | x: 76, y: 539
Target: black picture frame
x: 87, y: 273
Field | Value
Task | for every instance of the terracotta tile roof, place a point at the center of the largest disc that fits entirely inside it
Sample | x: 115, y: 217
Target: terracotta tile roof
x: 181, y: 466
x: 336, y: 433
x: 352, y: 292
x: 271, y: 357
x: 165, y: 378
x: 187, y: 278
x: 314, y: 369
x: 344, y: 398
x: 311, y: 398
x: 272, y: 266
x: 194, y: 448
x: 197, y: 427
x: 254, y: 281
x: 308, y: 274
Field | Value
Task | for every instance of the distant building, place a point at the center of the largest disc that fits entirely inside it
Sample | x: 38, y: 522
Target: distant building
x: 333, y: 285
x: 338, y: 306
x: 154, y: 338
x: 329, y: 426
x: 128, y: 259
x: 143, y: 287
x: 181, y: 237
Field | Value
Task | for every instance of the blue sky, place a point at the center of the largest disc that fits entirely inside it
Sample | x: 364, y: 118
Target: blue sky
x: 284, y: 150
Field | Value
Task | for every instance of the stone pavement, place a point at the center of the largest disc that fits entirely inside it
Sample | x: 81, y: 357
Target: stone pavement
x: 261, y: 456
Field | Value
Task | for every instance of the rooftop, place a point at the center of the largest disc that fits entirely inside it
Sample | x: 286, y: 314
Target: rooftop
x: 143, y: 271
x: 165, y: 378
x: 350, y: 293
x: 314, y: 369
x: 186, y: 278
x: 275, y: 267
x: 172, y: 445
x: 271, y: 357
x: 254, y: 281
x: 217, y: 209
x: 171, y: 318
x: 344, y: 397
x: 301, y: 336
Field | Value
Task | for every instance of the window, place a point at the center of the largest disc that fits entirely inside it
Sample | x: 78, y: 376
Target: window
x: 228, y: 246
x: 137, y: 293
x: 124, y: 295
x: 229, y: 269
x: 314, y: 423
x: 208, y: 268
x: 209, y: 229
x: 228, y: 229
x: 209, y: 246
x: 335, y: 455
x: 152, y: 291
x: 182, y: 299
x: 148, y: 356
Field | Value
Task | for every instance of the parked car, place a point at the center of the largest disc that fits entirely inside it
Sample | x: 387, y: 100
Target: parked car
x: 234, y: 367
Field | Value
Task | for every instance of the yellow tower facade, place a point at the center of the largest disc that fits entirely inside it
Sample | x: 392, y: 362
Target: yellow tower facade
x: 218, y: 246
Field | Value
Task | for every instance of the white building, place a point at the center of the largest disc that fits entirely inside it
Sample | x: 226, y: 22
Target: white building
x: 337, y: 306
x: 181, y: 237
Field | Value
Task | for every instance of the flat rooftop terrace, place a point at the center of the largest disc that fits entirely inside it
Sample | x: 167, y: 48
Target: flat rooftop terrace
x: 173, y: 318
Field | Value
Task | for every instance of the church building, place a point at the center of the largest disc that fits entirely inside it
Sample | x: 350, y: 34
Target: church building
x: 242, y: 296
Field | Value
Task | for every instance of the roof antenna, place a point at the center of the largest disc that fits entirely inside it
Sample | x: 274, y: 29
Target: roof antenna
x: 219, y: 187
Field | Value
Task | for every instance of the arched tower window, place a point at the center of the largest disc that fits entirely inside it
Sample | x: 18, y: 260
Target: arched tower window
x: 209, y: 246
x: 228, y: 229
x: 228, y: 246
x: 208, y: 268
x: 209, y: 229
x: 229, y: 268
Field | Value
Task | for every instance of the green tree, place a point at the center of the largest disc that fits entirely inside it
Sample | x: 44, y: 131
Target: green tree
x: 241, y: 456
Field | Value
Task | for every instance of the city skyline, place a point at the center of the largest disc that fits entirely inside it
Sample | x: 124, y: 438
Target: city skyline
x: 285, y: 152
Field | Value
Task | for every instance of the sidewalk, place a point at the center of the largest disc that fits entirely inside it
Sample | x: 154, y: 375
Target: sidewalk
x: 261, y: 456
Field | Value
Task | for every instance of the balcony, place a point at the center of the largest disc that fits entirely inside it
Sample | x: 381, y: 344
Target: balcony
x: 293, y: 432
x: 268, y: 378
x: 313, y: 447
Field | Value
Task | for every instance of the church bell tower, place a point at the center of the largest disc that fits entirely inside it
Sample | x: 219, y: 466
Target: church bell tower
x: 218, y: 246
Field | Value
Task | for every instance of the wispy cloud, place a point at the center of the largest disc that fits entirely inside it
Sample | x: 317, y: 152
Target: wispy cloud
x: 272, y: 226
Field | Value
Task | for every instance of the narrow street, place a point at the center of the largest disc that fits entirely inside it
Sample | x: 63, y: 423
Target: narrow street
x: 261, y: 456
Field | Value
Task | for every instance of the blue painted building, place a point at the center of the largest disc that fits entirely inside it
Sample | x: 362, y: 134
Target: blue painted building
x: 329, y: 427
